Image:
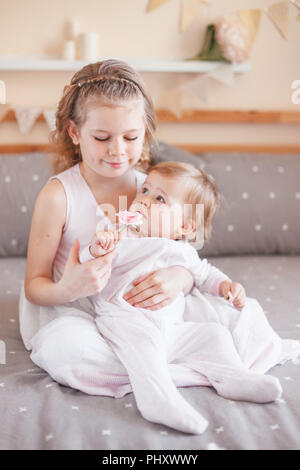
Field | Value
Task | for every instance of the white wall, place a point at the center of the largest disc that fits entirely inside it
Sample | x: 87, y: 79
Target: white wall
x: 37, y: 28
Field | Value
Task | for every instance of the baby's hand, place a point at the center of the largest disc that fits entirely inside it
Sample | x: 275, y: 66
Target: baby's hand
x: 234, y: 292
x: 103, y: 242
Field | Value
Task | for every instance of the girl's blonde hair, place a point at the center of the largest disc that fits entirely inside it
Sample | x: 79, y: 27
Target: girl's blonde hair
x: 197, y: 187
x: 111, y: 81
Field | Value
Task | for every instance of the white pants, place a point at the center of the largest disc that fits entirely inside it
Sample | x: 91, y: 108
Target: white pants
x: 122, y: 352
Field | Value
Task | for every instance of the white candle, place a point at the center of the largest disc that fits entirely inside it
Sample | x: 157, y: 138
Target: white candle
x: 74, y: 28
x: 68, y: 52
x: 2, y: 93
x: 89, y: 46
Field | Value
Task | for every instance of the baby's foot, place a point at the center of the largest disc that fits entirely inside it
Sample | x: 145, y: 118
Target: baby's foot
x: 248, y: 386
x: 176, y: 413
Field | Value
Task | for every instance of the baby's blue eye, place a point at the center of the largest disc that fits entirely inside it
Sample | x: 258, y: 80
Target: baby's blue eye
x: 160, y: 199
x: 144, y: 190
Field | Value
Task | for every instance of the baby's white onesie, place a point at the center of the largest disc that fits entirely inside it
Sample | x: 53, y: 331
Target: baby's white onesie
x: 149, y: 342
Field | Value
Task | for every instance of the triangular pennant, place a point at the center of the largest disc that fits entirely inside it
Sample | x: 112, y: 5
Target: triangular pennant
x: 251, y: 20
x: 223, y: 74
x: 198, y: 87
x: 49, y: 115
x: 153, y: 4
x: 296, y: 3
x: 2, y: 92
x: 26, y: 117
x: 172, y: 101
x: 279, y: 14
x: 3, y: 110
x: 160, y: 87
x: 190, y: 9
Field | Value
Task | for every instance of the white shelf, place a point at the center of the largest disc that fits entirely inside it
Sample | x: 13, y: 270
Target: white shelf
x: 141, y: 64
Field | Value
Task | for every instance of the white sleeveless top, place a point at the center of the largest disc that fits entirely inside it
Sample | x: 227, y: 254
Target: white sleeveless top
x: 83, y: 214
x: 82, y: 217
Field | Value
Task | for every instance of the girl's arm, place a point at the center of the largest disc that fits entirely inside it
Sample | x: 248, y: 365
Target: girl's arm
x: 46, y: 230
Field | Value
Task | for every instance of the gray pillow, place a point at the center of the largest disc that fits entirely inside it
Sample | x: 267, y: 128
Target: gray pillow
x: 261, y: 208
x: 22, y: 176
x: 260, y: 211
x: 162, y: 152
x: 259, y: 214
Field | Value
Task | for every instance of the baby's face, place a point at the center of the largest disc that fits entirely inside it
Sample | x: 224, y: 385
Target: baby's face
x: 161, y: 204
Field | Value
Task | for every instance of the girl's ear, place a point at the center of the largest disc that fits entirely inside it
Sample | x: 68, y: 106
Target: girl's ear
x: 73, y: 132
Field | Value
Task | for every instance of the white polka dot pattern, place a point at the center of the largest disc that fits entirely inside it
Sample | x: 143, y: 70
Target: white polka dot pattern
x: 22, y: 176
x: 260, y: 204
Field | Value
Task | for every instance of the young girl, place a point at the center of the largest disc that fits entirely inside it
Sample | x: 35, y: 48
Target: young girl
x: 156, y: 346
x: 104, y: 123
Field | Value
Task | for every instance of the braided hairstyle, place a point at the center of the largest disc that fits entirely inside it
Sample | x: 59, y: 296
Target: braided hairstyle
x: 112, y: 81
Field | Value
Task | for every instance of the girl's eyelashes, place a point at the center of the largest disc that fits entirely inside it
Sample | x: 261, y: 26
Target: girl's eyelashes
x: 129, y: 139
x: 101, y: 140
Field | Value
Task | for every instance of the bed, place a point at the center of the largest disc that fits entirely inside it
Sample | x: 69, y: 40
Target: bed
x: 255, y: 240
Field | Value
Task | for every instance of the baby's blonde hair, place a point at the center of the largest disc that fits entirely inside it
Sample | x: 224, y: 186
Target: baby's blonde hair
x: 111, y: 81
x: 197, y: 187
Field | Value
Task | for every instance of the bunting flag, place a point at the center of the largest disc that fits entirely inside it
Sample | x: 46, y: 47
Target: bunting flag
x: 49, y: 115
x: 198, y: 87
x: 251, y: 21
x: 190, y: 9
x: 296, y: 3
x: 279, y: 15
x: 172, y: 101
x: 26, y: 117
x: 153, y: 4
x: 223, y: 74
x: 3, y: 110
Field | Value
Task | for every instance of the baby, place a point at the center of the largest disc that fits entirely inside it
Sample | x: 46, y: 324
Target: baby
x: 155, y: 345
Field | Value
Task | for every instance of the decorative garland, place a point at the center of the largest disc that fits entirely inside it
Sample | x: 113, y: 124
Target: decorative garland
x: 191, y: 9
x: 27, y: 116
x: 228, y: 40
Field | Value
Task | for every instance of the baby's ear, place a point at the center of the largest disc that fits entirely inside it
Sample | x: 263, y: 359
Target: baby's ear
x: 188, y: 227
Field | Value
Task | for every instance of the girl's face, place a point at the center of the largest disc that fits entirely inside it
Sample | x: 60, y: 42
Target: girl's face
x: 111, y: 139
x: 161, y: 204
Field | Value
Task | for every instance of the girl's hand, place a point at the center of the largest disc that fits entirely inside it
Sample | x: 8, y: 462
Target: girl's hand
x: 234, y: 292
x: 104, y: 242
x: 159, y: 288
x: 82, y: 280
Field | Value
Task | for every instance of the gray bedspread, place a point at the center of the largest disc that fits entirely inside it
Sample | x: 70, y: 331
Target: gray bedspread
x: 38, y: 413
